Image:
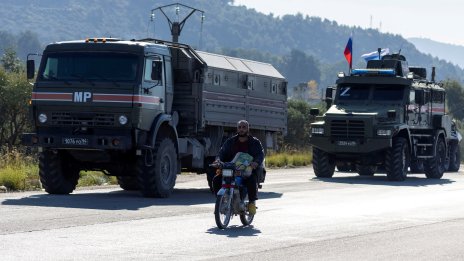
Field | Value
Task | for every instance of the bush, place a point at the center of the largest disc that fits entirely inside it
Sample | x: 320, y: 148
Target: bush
x: 288, y: 159
x: 95, y: 178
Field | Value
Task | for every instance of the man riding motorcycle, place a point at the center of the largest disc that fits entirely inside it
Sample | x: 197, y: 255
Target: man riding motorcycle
x: 243, y: 142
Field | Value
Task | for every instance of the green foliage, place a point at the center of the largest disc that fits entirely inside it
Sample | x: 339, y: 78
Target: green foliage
x: 15, y: 93
x: 289, y: 159
x: 18, y: 171
x: 95, y: 178
x: 454, y: 98
x: 298, y: 123
x: 10, y: 62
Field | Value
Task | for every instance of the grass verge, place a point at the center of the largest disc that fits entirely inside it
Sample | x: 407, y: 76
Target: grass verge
x: 288, y: 159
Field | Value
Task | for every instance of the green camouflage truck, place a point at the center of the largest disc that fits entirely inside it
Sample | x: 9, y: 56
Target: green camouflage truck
x: 144, y: 110
x: 387, y: 116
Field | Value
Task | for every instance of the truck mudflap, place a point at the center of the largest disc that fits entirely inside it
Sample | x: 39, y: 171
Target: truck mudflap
x: 103, y: 142
x: 350, y: 146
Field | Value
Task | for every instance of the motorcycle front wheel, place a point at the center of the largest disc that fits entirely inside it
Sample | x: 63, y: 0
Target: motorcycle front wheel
x: 223, y: 210
x: 245, y: 217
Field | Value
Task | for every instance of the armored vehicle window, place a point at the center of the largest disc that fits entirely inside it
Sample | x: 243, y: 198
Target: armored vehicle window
x: 90, y: 66
x: 153, y: 69
x: 349, y: 93
x: 388, y: 93
x: 438, y: 97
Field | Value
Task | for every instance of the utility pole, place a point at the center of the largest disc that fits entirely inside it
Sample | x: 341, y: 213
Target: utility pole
x: 177, y: 26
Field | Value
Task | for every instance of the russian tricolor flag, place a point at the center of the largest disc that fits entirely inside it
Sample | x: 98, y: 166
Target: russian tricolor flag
x: 349, y: 52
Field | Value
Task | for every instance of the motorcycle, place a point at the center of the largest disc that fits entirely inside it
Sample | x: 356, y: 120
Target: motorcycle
x: 232, y: 198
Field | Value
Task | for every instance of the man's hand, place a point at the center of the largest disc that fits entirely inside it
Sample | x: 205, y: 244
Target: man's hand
x: 254, y: 165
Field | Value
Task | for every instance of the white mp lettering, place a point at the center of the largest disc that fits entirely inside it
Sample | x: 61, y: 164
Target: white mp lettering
x: 82, y: 96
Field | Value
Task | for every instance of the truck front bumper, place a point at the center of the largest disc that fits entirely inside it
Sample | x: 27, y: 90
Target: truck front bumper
x: 90, y: 142
x: 364, y: 146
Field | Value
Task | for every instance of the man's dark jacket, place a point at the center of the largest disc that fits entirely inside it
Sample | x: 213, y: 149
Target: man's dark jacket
x: 255, y: 149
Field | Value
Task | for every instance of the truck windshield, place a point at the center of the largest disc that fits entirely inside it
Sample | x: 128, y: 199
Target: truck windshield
x: 379, y: 93
x: 90, y: 66
x: 388, y: 93
x: 350, y: 93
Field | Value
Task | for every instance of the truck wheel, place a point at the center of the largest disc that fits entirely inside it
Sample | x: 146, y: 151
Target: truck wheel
x: 397, y: 160
x: 435, y: 167
x: 322, y: 165
x: 417, y: 166
x: 57, y: 175
x: 455, y: 157
x: 128, y: 182
x: 156, y: 172
x: 366, y: 170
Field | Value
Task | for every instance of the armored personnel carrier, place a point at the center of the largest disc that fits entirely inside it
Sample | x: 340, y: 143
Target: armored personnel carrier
x: 389, y: 116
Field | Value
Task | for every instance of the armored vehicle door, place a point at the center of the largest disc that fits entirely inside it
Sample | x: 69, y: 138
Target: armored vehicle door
x: 419, y: 106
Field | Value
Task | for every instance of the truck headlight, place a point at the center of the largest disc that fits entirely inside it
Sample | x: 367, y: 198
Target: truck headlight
x: 42, y: 118
x: 318, y: 130
x: 382, y: 132
x: 122, y: 120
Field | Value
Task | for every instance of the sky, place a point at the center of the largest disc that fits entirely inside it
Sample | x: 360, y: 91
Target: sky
x: 440, y: 21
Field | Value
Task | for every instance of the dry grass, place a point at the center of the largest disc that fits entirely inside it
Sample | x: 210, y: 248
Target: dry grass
x: 291, y: 158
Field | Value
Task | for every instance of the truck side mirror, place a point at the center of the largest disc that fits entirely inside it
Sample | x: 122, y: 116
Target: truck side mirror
x: 314, y: 111
x: 30, y: 69
x: 419, y: 97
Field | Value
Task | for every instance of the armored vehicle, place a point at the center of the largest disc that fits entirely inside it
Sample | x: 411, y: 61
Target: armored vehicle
x: 389, y: 116
x: 144, y: 110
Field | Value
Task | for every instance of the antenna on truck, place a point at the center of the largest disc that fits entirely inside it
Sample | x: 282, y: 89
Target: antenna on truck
x: 177, y: 26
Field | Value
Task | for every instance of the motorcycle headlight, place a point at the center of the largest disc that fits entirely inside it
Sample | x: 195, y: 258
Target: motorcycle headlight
x: 227, y: 173
x: 42, y: 118
x: 317, y: 130
x: 122, y: 120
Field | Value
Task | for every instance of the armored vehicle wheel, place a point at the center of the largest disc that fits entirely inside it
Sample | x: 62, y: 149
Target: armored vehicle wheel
x: 397, y: 160
x: 435, y: 167
x: 58, y: 173
x: 455, y: 157
x: 157, y: 170
x: 323, y: 166
x: 128, y: 182
x: 417, y: 166
x: 366, y: 170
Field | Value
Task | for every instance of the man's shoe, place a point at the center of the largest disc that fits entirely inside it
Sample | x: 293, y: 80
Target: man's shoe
x: 252, y: 208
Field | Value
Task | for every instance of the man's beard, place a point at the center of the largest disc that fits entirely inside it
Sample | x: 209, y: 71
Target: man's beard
x: 243, y: 135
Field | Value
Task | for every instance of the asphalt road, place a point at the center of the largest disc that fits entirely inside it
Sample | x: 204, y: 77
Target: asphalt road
x: 299, y: 217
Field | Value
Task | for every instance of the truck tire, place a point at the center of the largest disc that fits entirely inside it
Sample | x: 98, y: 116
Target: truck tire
x: 397, y: 160
x: 157, y: 171
x: 366, y: 170
x: 417, y: 166
x: 322, y: 165
x: 435, y: 167
x: 58, y: 176
x: 128, y: 182
x: 455, y: 157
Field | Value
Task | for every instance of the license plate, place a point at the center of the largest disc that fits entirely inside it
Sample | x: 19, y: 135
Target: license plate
x: 76, y: 141
x: 346, y: 143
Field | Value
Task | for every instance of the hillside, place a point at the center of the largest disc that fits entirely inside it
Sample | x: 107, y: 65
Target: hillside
x: 449, y: 52
x: 226, y: 27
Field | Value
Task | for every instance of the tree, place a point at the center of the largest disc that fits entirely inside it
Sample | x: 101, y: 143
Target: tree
x: 15, y: 92
x: 10, y: 61
x: 455, y: 98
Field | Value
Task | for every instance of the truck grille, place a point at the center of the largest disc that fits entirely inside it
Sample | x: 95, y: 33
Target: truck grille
x: 82, y: 119
x: 347, y: 128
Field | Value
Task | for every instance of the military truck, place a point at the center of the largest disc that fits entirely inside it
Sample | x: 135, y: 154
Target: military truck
x: 387, y: 116
x: 144, y: 110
